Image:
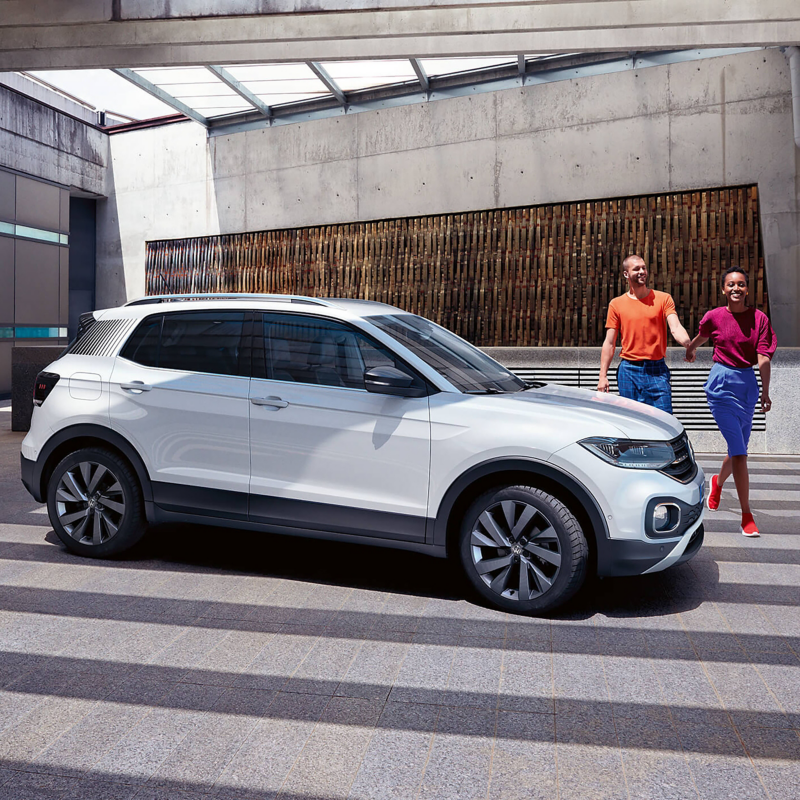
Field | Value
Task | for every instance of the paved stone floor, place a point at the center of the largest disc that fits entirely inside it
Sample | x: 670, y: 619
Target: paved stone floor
x: 212, y: 663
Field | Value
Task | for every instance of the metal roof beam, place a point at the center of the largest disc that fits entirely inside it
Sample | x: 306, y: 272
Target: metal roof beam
x: 329, y: 82
x: 159, y: 93
x: 421, y: 76
x: 240, y: 89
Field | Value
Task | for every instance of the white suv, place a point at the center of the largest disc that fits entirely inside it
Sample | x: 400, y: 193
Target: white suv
x: 353, y: 420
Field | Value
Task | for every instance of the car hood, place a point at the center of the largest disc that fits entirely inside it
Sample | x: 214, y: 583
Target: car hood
x: 634, y: 420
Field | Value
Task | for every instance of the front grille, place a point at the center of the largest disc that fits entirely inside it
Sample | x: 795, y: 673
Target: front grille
x: 683, y: 468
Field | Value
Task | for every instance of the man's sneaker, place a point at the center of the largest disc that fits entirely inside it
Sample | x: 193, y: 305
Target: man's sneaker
x: 749, y: 527
x: 712, y: 501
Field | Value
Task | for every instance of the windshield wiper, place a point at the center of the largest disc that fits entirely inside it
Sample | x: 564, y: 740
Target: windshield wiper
x: 487, y: 390
x: 535, y: 384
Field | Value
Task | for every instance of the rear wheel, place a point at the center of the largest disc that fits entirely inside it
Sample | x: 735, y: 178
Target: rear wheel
x: 522, y: 549
x: 95, y: 504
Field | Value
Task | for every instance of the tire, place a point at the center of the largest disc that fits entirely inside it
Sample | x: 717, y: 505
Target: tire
x: 95, y: 503
x: 517, y: 541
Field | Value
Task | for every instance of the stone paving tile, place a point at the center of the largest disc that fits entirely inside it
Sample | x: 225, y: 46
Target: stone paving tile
x: 746, y: 696
x: 719, y: 763
x: 324, y: 666
x: 579, y: 682
x: 589, y: 762
x: 135, y: 757
x: 776, y: 755
x: 35, y: 786
x: 474, y: 677
x: 460, y: 758
x: 629, y: 678
x: 395, y: 759
x: 91, y: 789
x: 653, y: 760
x: 374, y: 668
x: 276, y: 662
x: 526, y: 683
x: 264, y: 760
x: 690, y: 694
x: 524, y: 757
x: 329, y: 761
x: 424, y: 674
x: 205, y: 752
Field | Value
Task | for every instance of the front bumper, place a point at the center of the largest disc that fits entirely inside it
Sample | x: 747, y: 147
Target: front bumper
x: 619, y: 557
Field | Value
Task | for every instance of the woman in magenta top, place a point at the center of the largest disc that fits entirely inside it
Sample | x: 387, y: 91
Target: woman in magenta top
x: 742, y: 337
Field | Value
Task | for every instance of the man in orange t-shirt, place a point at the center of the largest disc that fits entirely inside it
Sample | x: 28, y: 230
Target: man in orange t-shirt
x: 641, y: 315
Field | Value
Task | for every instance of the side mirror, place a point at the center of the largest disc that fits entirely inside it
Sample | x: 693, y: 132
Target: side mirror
x: 390, y: 380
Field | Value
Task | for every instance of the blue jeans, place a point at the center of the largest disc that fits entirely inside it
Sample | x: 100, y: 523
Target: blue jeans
x: 646, y: 382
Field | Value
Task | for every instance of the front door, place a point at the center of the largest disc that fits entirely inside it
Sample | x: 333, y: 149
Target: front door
x: 179, y: 394
x: 325, y: 453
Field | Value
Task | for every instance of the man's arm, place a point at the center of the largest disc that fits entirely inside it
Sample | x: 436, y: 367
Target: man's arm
x: 765, y: 368
x: 606, y: 357
x: 678, y: 331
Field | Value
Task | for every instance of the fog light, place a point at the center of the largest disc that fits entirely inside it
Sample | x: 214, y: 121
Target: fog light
x: 666, y: 517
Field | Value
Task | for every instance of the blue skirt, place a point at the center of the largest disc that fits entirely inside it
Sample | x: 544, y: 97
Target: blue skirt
x: 732, y: 394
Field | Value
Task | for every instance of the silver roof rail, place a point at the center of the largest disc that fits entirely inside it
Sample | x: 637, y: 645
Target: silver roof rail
x: 179, y: 298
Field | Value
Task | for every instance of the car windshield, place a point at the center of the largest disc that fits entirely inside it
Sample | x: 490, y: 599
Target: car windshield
x: 466, y: 367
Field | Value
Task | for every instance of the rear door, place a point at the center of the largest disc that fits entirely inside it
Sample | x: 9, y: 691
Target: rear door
x: 179, y: 394
x: 325, y: 453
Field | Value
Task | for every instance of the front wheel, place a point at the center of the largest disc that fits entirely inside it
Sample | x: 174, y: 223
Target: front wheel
x: 95, y: 504
x: 522, y: 549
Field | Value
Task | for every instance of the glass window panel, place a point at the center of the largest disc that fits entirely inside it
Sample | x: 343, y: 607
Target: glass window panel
x: 7, y: 227
x: 213, y: 89
x: 36, y: 233
x: 63, y: 238
x: 446, y: 66
x: 322, y: 352
x: 169, y: 76
x: 202, y: 341
x: 142, y: 347
x: 6, y: 333
x: 353, y: 75
x: 39, y: 333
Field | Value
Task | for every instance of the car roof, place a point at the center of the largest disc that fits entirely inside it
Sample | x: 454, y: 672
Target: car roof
x: 146, y: 306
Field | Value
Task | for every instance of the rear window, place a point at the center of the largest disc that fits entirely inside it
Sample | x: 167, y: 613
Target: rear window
x: 193, y: 341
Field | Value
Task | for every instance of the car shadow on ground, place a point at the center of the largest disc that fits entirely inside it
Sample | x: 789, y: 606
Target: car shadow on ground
x: 187, y: 548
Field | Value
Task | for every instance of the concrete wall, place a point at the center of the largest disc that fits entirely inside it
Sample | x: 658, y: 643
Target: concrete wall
x: 720, y: 121
x: 47, y: 143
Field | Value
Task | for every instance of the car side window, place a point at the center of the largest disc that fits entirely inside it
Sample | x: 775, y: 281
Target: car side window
x: 305, y: 349
x: 195, y: 341
x: 142, y: 347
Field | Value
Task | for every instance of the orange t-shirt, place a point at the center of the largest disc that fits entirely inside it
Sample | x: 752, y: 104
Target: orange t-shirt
x: 642, y: 323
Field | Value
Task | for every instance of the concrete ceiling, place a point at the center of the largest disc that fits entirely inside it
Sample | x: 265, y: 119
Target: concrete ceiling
x: 53, y: 34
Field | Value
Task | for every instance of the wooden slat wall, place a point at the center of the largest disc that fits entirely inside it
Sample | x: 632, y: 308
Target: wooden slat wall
x: 534, y: 276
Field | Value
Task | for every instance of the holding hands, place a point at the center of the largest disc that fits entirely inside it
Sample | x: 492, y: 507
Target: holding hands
x: 691, y: 352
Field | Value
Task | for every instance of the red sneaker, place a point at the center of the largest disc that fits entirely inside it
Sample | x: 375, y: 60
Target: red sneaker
x: 749, y: 527
x: 712, y: 501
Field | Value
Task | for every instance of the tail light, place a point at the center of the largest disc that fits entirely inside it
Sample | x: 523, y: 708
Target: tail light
x: 45, y: 381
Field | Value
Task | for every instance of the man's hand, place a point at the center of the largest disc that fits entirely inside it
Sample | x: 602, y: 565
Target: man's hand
x: 766, y: 403
x: 602, y: 384
x: 691, y: 354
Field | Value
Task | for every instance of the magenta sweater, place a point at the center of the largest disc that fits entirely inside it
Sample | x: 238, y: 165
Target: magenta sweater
x: 739, y: 338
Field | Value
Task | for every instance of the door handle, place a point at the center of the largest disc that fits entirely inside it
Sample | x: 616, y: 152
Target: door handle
x: 272, y: 401
x: 136, y: 386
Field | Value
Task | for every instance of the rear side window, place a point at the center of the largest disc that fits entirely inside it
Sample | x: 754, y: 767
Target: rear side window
x: 195, y: 341
x: 142, y: 347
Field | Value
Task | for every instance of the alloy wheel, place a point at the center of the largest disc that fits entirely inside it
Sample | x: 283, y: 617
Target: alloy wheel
x: 90, y: 503
x: 515, y: 550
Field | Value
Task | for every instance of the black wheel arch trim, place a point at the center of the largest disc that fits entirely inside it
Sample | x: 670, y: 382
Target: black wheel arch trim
x: 537, y: 468
x: 105, y: 435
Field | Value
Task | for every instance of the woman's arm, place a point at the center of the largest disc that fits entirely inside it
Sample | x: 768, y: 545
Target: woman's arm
x: 691, y: 348
x: 765, y: 368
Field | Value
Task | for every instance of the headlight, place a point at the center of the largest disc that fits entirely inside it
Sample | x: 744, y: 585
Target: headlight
x: 629, y: 453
